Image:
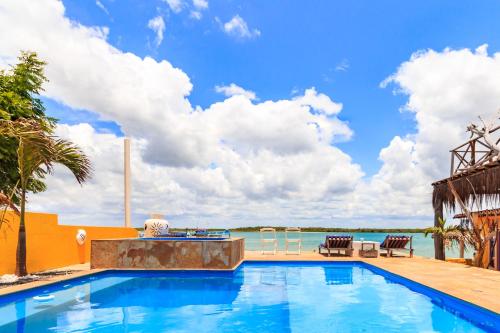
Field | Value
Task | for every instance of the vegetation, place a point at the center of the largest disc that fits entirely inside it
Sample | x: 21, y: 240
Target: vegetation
x: 28, y: 149
x: 451, y: 234
x: 19, y: 99
x: 37, y: 153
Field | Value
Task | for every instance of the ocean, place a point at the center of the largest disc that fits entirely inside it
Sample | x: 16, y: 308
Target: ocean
x: 424, y: 246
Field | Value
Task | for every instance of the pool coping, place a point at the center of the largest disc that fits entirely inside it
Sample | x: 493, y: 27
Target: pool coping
x: 377, y: 264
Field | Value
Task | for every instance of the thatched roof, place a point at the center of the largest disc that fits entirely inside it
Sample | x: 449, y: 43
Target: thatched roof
x: 481, y: 184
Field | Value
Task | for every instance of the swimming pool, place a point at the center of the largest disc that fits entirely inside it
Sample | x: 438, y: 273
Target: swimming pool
x: 257, y: 297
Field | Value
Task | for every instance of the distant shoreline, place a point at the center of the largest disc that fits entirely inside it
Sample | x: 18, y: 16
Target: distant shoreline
x: 319, y: 229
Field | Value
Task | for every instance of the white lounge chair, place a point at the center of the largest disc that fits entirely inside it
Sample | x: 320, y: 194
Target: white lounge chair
x: 268, y: 236
x: 292, y: 236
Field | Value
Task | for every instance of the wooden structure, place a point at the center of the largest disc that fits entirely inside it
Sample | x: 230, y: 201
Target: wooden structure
x: 488, y: 221
x: 474, y: 179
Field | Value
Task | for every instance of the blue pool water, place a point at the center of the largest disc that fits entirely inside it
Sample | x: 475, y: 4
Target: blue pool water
x: 257, y: 297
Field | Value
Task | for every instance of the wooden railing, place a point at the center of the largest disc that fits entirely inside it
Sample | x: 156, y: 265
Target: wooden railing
x: 473, y: 154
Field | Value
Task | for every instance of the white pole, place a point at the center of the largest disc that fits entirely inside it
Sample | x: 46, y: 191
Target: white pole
x: 127, y: 182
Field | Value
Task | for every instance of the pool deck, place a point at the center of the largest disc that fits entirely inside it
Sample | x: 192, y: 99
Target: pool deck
x: 471, y: 284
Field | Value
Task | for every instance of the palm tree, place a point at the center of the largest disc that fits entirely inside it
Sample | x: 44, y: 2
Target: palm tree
x: 37, y: 153
x: 451, y: 234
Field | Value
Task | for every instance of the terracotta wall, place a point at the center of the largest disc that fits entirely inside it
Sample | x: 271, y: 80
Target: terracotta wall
x: 50, y: 245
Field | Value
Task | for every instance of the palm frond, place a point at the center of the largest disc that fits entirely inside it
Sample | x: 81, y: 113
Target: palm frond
x: 72, y: 157
x: 39, y: 151
x: 6, y: 202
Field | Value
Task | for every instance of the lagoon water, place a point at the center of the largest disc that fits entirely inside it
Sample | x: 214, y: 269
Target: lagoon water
x: 424, y: 246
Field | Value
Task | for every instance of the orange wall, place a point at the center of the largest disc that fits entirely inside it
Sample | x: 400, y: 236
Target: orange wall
x: 48, y: 244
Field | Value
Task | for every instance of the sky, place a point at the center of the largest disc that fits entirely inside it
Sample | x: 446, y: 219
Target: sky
x: 332, y: 113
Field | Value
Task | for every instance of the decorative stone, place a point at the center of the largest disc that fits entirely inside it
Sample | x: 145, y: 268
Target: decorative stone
x: 81, y: 235
x: 156, y: 226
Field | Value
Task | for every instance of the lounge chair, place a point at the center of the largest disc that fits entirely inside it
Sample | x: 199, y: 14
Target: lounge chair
x: 292, y: 236
x: 337, y: 243
x: 398, y: 243
x: 268, y: 236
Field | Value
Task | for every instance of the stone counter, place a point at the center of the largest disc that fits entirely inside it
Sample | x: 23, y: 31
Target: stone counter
x: 130, y: 253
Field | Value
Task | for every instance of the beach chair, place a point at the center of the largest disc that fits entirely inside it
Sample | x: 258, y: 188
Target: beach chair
x: 397, y: 243
x: 268, y: 236
x: 337, y: 243
x: 292, y: 236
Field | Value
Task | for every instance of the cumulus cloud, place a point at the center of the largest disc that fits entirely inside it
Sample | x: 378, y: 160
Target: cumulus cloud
x: 237, y: 160
x: 158, y: 26
x: 446, y: 91
x: 234, y: 89
x: 238, y: 28
x: 200, y: 4
x: 241, y: 161
x: 175, y: 5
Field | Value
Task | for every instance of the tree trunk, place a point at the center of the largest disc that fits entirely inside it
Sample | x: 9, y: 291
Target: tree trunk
x: 478, y: 258
x: 21, y: 241
x: 439, y: 252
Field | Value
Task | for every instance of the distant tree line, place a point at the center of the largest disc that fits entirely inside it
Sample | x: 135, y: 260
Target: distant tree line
x: 318, y: 229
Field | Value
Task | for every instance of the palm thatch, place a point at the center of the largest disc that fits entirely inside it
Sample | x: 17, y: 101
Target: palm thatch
x: 479, y: 187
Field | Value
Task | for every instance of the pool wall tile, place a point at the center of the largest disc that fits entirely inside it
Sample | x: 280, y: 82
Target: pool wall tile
x: 108, y: 254
x: 167, y: 254
x: 188, y: 254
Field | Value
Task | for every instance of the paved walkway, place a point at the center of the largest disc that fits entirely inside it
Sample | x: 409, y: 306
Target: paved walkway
x: 475, y: 285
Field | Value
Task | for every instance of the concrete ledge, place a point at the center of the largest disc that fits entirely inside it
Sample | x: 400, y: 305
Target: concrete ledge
x: 138, y: 253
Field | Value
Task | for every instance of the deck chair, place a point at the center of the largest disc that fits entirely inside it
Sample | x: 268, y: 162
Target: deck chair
x: 268, y: 236
x: 397, y: 243
x: 292, y: 236
x: 337, y: 243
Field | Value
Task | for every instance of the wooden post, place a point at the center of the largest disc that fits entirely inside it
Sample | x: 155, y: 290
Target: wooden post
x: 497, y: 252
x: 438, y: 239
x: 462, y: 248
x: 127, y: 182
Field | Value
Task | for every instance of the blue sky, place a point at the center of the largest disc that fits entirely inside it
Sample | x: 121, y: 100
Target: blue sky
x: 261, y: 112
x: 303, y: 45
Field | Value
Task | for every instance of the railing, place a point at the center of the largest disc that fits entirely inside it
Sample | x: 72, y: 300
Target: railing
x: 473, y: 154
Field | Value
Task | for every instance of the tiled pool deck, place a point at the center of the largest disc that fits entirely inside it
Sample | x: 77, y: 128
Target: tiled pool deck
x: 474, y: 285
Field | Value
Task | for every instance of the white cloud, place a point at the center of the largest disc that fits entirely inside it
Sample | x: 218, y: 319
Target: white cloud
x: 101, y: 6
x: 233, y: 89
x: 158, y: 26
x: 446, y: 91
x: 200, y: 4
x: 175, y: 5
x: 237, y: 160
x: 237, y: 27
x: 342, y: 66
x: 195, y: 15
